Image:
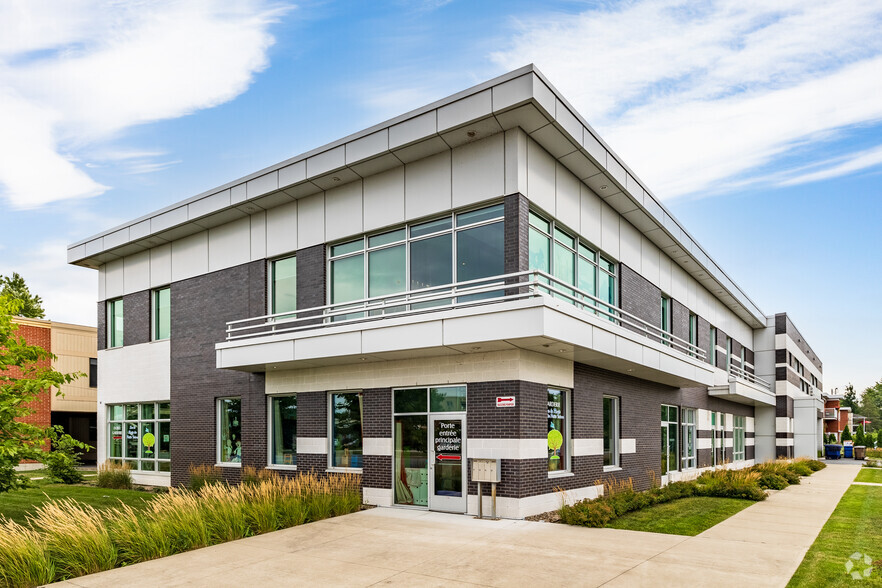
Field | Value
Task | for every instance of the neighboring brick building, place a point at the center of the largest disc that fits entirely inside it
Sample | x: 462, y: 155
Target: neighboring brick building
x: 479, y: 278
x: 75, y: 348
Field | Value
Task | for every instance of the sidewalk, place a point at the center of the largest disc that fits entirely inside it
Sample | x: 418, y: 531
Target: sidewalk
x: 761, y: 545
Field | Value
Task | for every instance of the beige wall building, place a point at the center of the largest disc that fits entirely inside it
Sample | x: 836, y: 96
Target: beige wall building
x: 76, y: 350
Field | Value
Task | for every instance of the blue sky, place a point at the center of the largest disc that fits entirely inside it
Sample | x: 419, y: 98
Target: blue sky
x: 759, y: 124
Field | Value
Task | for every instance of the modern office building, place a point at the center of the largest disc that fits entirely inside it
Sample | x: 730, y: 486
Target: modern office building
x: 480, y: 278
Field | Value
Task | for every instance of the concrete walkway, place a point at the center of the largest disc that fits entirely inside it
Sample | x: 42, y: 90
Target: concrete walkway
x: 761, y: 545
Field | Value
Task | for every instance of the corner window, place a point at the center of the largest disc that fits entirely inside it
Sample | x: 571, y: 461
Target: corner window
x: 558, y: 430
x: 283, y: 285
x: 738, y: 438
x: 229, y: 431
x: 610, y: 431
x: 115, y: 323
x: 161, y: 314
x: 93, y: 372
x: 556, y: 252
x: 669, y: 453
x: 346, y: 430
x: 689, y: 436
x: 283, y: 430
x: 140, y: 435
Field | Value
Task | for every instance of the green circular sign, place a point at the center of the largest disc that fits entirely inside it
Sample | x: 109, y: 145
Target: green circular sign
x: 148, y: 440
x: 555, y: 439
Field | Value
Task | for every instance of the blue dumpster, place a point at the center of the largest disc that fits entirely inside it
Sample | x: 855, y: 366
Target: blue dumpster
x: 848, y: 449
x: 832, y: 451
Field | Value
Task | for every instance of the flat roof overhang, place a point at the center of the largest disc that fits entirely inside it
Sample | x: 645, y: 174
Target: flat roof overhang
x: 543, y: 325
x: 519, y: 99
x: 743, y: 392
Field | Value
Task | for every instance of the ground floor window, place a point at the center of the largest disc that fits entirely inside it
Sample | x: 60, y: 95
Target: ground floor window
x: 689, y: 434
x: 229, y: 430
x: 347, y: 411
x: 140, y: 435
x: 558, y: 430
x: 738, y: 440
x: 669, y: 425
x: 283, y: 430
x: 610, y: 431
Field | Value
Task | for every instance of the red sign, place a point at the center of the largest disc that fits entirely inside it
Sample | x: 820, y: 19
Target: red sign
x: 505, y: 401
x: 449, y: 457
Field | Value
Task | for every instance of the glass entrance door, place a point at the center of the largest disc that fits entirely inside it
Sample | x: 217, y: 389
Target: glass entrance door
x: 447, y: 456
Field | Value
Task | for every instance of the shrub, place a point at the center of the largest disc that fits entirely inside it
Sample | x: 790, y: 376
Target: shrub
x: 801, y: 468
x: 203, y: 475
x: 731, y: 484
x: 63, y: 461
x: 846, y: 434
x: 770, y: 470
x: 874, y: 453
x: 859, y: 438
x: 772, y: 481
x: 588, y: 513
x: 815, y: 465
x: 115, y: 475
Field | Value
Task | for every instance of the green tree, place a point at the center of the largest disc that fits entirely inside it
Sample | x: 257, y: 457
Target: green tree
x: 846, y: 433
x: 850, y: 399
x: 21, y: 381
x: 871, y: 406
x: 14, y: 287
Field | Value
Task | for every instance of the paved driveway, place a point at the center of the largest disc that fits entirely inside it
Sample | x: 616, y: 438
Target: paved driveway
x: 760, y: 546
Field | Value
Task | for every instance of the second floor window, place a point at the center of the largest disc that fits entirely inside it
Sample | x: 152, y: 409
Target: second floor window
x: 161, y: 314
x: 115, y: 323
x: 464, y: 246
x: 283, y: 285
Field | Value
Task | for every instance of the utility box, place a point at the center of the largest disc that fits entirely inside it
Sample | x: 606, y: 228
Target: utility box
x: 486, y: 470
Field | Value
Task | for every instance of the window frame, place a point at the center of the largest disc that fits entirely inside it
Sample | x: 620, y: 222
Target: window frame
x: 598, y: 260
x: 111, y: 342
x: 666, y: 424
x: 271, y: 283
x: 93, y: 372
x: 736, y: 429
x: 138, y: 421
x: 330, y: 454
x: 693, y: 331
x: 615, y: 435
x: 366, y: 248
x: 687, y: 427
x: 712, y: 355
x: 154, y: 314
x: 217, y: 437
x: 270, y: 434
x: 568, y: 433
x: 667, y: 321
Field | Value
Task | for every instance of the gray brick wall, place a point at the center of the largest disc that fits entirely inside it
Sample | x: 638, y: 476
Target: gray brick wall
x: 200, y: 307
x: 136, y: 318
x: 102, y: 325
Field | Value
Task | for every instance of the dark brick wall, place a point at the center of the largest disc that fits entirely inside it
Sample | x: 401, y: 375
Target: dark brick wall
x: 525, y: 420
x: 704, y: 337
x: 377, y: 414
x: 311, y: 277
x: 200, y: 307
x: 136, y: 318
x: 783, y: 324
x: 639, y: 296
x: 680, y: 320
x: 102, y: 325
x: 783, y: 406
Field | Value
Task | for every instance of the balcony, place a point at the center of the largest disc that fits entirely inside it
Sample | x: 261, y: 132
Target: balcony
x: 745, y: 388
x: 831, y: 414
x: 530, y: 310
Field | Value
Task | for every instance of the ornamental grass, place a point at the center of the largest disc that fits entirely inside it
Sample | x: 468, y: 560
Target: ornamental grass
x: 66, y: 539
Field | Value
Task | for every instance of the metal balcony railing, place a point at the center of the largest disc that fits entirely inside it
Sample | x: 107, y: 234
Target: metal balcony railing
x: 831, y: 414
x: 459, y: 295
x: 741, y: 374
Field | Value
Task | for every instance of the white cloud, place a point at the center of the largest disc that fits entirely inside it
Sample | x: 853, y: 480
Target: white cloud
x: 68, y: 291
x: 78, y: 73
x: 840, y: 166
x: 691, y: 94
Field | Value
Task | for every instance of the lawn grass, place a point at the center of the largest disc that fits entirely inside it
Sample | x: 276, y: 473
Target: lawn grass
x: 854, y: 527
x: 870, y: 475
x: 17, y: 504
x: 686, y: 516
